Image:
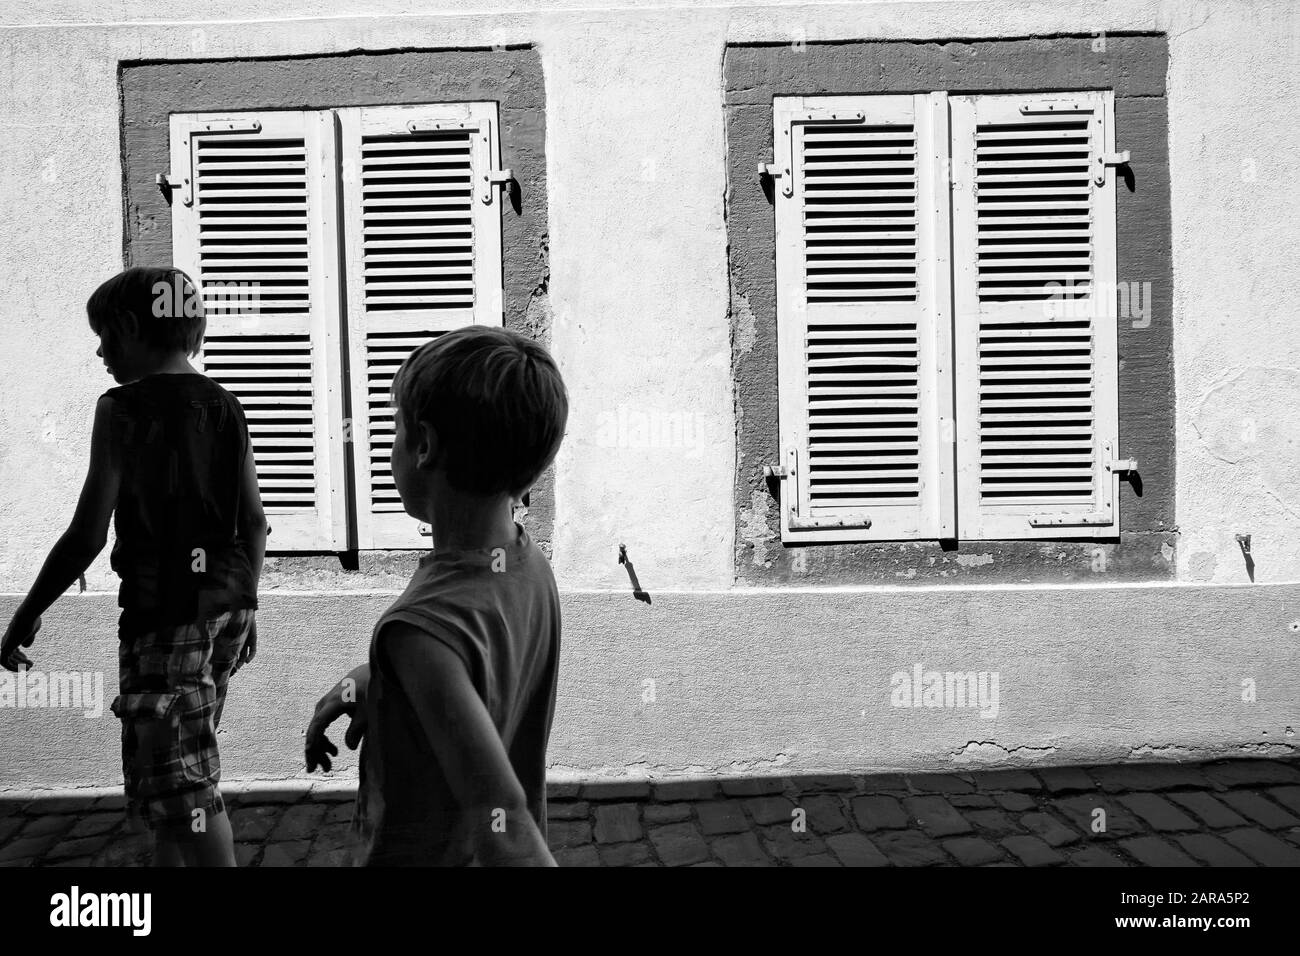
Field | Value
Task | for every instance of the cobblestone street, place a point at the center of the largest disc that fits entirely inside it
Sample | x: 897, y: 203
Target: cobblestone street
x: 1225, y: 813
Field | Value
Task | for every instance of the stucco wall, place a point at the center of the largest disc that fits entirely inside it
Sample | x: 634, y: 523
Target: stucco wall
x: 638, y: 291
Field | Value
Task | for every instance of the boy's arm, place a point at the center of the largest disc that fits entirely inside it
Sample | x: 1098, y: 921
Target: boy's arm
x: 348, y: 696
x: 78, y: 546
x: 460, y: 731
x: 250, y: 527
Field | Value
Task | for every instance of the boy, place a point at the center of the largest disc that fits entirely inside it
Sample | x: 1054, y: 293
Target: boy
x: 457, y: 697
x: 170, y: 461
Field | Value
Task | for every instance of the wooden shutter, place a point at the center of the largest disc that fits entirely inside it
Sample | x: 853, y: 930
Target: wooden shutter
x: 863, y: 315
x: 253, y: 204
x: 1034, y: 266
x: 423, y: 238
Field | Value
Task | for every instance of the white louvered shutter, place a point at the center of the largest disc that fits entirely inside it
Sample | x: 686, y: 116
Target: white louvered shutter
x: 863, y: 287
x: 423, y: 239
x: 253, y: 204
x: 1034, y: 266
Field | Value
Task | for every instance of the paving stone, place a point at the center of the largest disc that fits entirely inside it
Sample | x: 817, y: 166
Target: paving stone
x: 671, y: 790
x: 288, y: 853
x: 1007, y: 780
x: 624, y: 854
x: 1052, y: 830
x: 1158, y: 812
x: 937, y: 816
x: 909, y: 848
x: 721, y: 816
x: 973, y: 851
x: 1289, y: 797
x: 332, y: 857
x: 56, y: 806
x: 12, y: 806
x: 1119, y: 821
x: 1293, y: 835
x: 132, y: 849
x: 568, y: 833
x: 816, y: 859
x: 46, y: 826
x: 618, y: 823
x: 568, y: 810
x: 1211, y: 850
x: 1016, y: 802
x: 853, y: 849
x: 27, y: 848
x: 785, y: 844
x: 875, y: 783
x: 616, y: 790
x: 84, y: 846
x: 939, y: 783
x: 1239, y: 773
x: 767, y: 810
x: 1031, y: 851
x: 972, y: 801
x: 754, y: 786
x: 1263, y: 847
x: 1095, y: 856
x: 577, y: 856
x: 562, y: 790
x: 9, y: 827
x: 993, y: 821
x: 877, y: 812
x: 94, y: 824
x: 251, y: 824
x: 272, y: 795
x: 1153, y: 851
x: 740, y: 849
x: 246, y: 853
x: 1066, y: 780
x: 1115, y: 778
x: 1257, y: 808
x: 340, y: 813
x: 816, y: 782
x: 825, y: 813
x: 679, y: 844
x: 334, y: 837
x: 300, y: 822
x: 656, y: 813
x: 1209, y: 808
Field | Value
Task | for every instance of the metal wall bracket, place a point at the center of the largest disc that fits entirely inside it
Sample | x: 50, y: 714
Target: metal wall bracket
x: 1109, y: 159
x: 493, y: 178
x: 1121, y: 465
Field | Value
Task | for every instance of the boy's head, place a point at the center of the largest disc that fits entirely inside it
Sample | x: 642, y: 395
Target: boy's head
x: 484, y: 404
x: 144, y: 315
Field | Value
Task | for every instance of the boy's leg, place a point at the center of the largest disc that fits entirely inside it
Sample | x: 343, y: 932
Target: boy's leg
x: 215, y: 846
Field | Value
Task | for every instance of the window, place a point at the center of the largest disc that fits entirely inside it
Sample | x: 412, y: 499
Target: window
x: 328, y: 245
x: 946, y: 316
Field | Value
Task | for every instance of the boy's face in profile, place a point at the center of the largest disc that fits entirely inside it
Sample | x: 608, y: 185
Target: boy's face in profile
x: 117, y: 352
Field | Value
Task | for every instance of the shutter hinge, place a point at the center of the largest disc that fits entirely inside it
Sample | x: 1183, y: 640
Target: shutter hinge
x: 798, y: 523
x: 782, y: 169
x: 775, y: 471
x: 167, y: 185
x: 1104, y: 160
x: 1120, y: 465
x: 493, y: 178
x: 210, y: 128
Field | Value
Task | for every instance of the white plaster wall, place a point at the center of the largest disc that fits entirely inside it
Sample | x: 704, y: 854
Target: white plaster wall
x: 638, y: 255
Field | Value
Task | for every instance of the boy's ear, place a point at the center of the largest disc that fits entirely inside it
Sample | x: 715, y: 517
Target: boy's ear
x: 130, y: 324
x: 426, y: 453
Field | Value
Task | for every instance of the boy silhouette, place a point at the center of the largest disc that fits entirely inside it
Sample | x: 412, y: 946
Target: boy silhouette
x: 170, y: 461
x: 456, y: 700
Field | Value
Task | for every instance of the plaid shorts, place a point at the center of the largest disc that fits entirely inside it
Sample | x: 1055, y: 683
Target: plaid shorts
x: 172, y: 683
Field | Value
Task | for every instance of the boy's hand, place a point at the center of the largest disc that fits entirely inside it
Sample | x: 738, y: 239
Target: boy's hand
x: 249, y: 650
x: 345, y: 697
x: 19, y: 634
